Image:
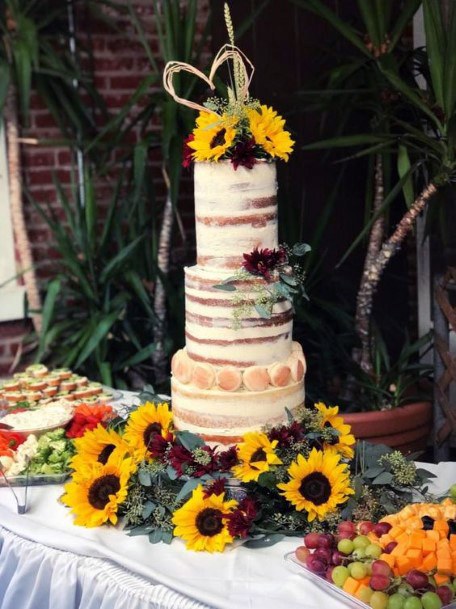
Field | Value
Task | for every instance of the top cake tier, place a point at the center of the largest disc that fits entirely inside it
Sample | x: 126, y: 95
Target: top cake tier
x: 235, y: 210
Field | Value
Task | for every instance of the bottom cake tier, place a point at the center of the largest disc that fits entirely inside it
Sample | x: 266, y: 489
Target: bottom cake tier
x: 221, y: 417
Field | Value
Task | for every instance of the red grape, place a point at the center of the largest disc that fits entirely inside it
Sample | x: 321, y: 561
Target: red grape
x: 325, y: 540
x: 381, y: 528
x: 316, y: 565
x: 380, y: 567
x: 390, y: 547
x: 323, y: 553
x: 379, y: 582
x: 302, y: 553
x: 311, y: 540
x: 417, y: 579
x: 337, y: 558
x: 445, y: 594
x: 347, y: 529
x: 365, y: 527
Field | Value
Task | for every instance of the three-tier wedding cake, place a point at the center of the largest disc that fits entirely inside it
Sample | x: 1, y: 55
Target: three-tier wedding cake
x: 232, y: 378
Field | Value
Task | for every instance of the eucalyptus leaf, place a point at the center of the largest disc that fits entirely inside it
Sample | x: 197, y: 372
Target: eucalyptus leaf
x: 228, y: 287
x: 144, y: 477
x: 189, y: 440
x: 289, y: 279
x: 301, y: 249
x: 148, y: 508
x: 373, y: 472
x: 262, y: 311
x: 264, y: 541
x: 188, y: 487
x: 424, y: 473
x: 383, y: 478
x: 156, y: 536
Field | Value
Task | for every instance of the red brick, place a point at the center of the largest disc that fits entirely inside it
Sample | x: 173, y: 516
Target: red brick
x: 10, y: 329
x: 44, y: 119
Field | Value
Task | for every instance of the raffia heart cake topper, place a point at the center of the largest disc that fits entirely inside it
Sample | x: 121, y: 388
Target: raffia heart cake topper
x: 234, y: 127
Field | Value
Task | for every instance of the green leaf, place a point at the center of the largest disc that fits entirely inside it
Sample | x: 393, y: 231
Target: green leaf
x: 265, y: 541
x: 424, y: 473
x: 189, y: 440
x: 156, y: 536
x: 263, y: 311
x: 121, y: 258
x: 4, y: 82
x: 148, y: 508
x: 408, y: 9
x: 100, y: 332
x: 144, y: 477
x: 188, y: 487
x: 301, y: 249
x: 404, y: 170
x: 373, y: 472
x: 227, y: 287
x: 346, y: 141
x: 436, y: 44
x: 53, y: 290
x: 383, y: 478
x: 138, y: 357
x: 289, y: 279
x: 450, y: 66
x: 320, y: 8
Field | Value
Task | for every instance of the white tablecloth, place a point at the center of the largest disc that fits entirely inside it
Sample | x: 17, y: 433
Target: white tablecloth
x: 47, y: 562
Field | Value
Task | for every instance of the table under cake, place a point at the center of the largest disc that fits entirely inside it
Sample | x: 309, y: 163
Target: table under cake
x: 48, y: 563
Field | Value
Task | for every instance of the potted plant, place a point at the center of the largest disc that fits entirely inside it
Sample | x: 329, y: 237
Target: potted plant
x: 409, y: 125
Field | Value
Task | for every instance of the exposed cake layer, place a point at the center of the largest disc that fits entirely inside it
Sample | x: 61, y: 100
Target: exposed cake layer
x: 211, y: 332
x: 235, y: 210
x: 224, y: 417
x: 204, y: 375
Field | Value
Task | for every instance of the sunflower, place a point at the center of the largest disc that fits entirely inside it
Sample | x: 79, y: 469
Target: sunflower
x: 143, y: 423
x: 256, y: 454
x: 267, y: 130
x: 212, y: 136
x: 97, y: 445
x: 96, y: 491
x: 201, y: 522
x: 345, y: 441
x: 318, y: 484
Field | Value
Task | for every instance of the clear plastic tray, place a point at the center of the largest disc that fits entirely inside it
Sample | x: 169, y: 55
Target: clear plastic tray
x: 332, y: 589
x: 35, y: 480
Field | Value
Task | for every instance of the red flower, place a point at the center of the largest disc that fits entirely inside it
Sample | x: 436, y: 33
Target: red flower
x: 158, y: 445
x: 262, y: 262
x: 182, y: 459
x: 187, y: 152
x: 243, y: 154
x: 286, y: 434
x: 240, y: 521
x: 227, y: 459
x: 216, y: 488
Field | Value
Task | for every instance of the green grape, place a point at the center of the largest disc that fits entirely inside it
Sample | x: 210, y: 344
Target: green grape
x: 361, y: 541
x: 359, y: 553
x: 452, y: 491
x: 358, y: 571
x: 339, y: 575
x: 379, y: 600
x: 365, y: 594
x: 396, y: 601
x: 345, y: 546
x: 431, y: 600
x: 412, y: 602
x: 373, y: 550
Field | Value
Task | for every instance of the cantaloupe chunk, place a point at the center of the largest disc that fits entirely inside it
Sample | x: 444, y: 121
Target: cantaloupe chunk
x: 433, y: 535
x: 429, y: 562
x: 440, y: 578
x: 403, y: 565
x: 428, y: 546
x: 351, y: 585
x: 389, y: 558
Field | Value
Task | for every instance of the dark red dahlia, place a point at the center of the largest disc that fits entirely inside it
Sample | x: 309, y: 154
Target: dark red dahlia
x: 158, y: 445
x: 227, y: 459
x: 286, y: 434
x: 216, y: 488
x: 244, y: 154
x: 180, y: 458
x: 240, y: 521
x: 262, y: 262
x: 187, y: 152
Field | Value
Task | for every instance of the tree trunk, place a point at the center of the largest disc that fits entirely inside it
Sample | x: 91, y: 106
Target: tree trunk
x: 362, y: 316
x: 374, y: 271
x: 164, y: 246
x: 17, y: 211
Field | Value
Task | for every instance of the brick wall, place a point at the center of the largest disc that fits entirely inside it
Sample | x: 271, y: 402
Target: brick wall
x: 119, y: 64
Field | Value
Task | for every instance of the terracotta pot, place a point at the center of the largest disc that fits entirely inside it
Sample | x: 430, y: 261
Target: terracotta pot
x: 406, y: 428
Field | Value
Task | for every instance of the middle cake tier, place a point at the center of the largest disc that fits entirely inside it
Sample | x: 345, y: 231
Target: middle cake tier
x: 224, y: 328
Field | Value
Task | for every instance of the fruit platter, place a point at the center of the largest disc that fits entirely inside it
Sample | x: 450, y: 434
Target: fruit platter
x: 405, y: 561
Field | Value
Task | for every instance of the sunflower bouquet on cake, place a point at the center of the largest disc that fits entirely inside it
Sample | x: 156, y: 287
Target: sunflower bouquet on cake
x: 235, y: 127
x: 284, y: 480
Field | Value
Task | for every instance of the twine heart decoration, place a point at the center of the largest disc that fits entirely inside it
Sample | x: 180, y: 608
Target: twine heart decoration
x: 227, y: 52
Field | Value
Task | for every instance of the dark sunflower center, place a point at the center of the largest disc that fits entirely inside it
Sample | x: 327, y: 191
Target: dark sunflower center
x: 209, y: 522
x: 218, y: 139
x: 105, y: 453
x: 258, y: 455
x: 101, y: 489
x: 315, y: 488
x: 150, y: 431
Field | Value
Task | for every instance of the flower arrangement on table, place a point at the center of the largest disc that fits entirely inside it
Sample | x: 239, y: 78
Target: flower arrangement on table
x: 282, y: 481
x: 236, y: 128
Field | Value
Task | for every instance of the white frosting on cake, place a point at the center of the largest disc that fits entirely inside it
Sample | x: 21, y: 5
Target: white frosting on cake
x: 235, y: 212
